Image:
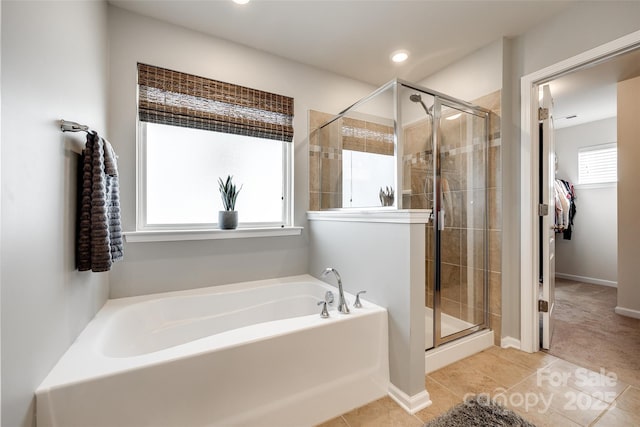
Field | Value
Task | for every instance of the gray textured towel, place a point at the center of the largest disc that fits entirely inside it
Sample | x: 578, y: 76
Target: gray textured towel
x: 99, y: 230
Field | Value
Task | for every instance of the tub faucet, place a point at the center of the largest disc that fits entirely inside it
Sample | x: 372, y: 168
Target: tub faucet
x: 342, y: 305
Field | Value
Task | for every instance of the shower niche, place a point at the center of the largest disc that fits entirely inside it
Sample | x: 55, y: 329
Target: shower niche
x: 410, y: 149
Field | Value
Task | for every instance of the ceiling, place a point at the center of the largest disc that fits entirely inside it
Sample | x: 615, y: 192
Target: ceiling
x: 590, y: 93
x: 355, y: 38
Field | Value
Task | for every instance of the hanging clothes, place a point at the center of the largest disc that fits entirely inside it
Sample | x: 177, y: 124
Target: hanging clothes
x: 565, y: 207
x: 571, y: 194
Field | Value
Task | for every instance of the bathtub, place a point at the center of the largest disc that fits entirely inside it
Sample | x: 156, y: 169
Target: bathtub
x: 253, y: 353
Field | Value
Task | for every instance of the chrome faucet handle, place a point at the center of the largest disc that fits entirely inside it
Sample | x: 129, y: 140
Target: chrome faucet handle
x: 324, y: 313
x: 358, y: 304
x: 328, y: 297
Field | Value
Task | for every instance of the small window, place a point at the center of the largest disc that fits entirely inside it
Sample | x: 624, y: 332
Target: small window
x: 598, y: 164
x: 192, y: 131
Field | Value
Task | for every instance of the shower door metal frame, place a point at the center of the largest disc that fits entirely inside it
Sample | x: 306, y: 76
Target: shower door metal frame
x: 438, y: 218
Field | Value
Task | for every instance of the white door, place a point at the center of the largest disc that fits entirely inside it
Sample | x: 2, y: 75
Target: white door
x: 547, y: 216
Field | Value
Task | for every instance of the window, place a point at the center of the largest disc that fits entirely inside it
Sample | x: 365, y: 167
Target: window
x: 363, y: 176
x: 194, y: 130
x: 598, y: 164
x: 368, y: 164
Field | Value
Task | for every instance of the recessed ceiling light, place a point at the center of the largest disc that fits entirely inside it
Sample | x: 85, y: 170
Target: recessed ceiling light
x: 241, y: 1
x: 399, y: 56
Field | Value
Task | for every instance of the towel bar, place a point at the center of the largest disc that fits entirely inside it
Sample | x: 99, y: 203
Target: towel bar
x: 67, y: 126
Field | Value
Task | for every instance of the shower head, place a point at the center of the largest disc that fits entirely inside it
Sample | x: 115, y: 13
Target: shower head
x: 416, y: 97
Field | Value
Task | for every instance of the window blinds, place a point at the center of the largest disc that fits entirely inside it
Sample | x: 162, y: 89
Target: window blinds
x: 180, y: 99
x: 598, y: 164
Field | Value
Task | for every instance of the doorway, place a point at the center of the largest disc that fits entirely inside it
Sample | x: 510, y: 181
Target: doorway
x: 530, y: 243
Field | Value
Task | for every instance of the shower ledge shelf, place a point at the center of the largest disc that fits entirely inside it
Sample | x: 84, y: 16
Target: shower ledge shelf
x: 402, y: 216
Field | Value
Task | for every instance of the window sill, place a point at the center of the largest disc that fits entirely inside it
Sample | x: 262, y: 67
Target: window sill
x: 182, y: 235
x: 595, y: 185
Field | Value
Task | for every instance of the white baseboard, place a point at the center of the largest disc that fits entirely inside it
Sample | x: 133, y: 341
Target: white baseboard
x: 627, y: 312
x: 510, y: 342
x: 585, y: 279
x: 411, y: 404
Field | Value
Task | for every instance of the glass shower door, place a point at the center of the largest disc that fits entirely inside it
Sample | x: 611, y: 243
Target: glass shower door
x: 460, y: 220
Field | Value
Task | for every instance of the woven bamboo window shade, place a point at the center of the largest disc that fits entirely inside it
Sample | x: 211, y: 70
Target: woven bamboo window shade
x: 369, y: 137
x: 179, y: 99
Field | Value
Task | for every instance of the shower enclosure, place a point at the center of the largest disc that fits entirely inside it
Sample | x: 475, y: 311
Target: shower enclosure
x: 406, y: 147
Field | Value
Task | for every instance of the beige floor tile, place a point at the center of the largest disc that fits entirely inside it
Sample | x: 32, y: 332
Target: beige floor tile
x: 336, y: 422
x: 381, y: 413
x: 527, y: 397
x: 606, y: 387
x: 463, y: 380
x: 629, y: 400
x: 536, y: 414
x: 505, y: 372
x: 549, y: 418
x: 533, y: 395
x: 559, y: 420
x: 529, y: 360
x: 578, y: 406
x: 616, y: 417
x: 441, y: 400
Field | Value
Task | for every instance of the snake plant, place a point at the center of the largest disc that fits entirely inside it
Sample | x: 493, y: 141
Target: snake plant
x: 229, y: 193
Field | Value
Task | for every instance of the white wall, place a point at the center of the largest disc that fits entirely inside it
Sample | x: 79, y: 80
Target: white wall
x: 474, y: 76
x: 157, y: 267
x: 581, y: 27
x: 53, y: 66
x: 592, y: 253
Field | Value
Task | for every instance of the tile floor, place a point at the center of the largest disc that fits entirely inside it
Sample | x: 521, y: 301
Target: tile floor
x: 544, y: 389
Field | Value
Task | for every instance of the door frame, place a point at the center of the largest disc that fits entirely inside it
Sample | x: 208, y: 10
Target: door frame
x: 529, y: 169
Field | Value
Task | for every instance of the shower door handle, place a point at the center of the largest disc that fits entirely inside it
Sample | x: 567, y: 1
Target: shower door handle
x: 441, y: 220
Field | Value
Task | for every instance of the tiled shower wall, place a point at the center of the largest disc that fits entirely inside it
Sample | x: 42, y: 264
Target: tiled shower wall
x: 325, y: 163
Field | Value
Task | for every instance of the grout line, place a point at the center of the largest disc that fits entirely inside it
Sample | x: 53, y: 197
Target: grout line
x: 417, y: 418
x: 613, y: 404
x: 609, y: 406
x: 521, y: 381
x: 444, y: 386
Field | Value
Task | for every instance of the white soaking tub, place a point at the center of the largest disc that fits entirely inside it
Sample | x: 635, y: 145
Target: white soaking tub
x: 248, y: 354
